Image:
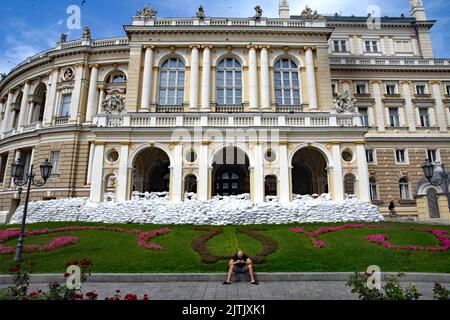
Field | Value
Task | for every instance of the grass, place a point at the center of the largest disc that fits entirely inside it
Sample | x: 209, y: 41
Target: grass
x: 346, y: 251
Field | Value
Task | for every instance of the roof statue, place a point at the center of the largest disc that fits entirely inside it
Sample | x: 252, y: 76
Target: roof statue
x: 259, y: 12
x: 146, y: 13
x: 201, y: 13
x: 86, y: 33
x: 309, y: 14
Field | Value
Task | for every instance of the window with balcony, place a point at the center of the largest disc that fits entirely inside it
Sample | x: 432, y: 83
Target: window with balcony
x: 424, y: 117
x: 400, y: 156
x: 171, y: 82
x: 364, y: 116
x: 229, y: 82
x: 66, y: 101
x: 287, y: 83
x: 404, y: 189
x: 54, y: 160
x: 361, y: 88
x: 394, y: 118
x: 372, y: 46
x: 370, y: 155
x: 391, y: 89
x: 340, y: 45
x: 432, y: 155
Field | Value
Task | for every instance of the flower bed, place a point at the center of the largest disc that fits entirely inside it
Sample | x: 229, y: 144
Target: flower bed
x: 59, y: 242
x: 382, y: 239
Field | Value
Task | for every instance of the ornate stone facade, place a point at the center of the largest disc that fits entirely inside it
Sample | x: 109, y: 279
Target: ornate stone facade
x: 321, y: 104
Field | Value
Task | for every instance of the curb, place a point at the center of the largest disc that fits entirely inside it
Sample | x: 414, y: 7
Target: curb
x: 219, y: 277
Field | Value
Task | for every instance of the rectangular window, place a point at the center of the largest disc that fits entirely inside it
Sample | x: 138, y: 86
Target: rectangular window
x: 394, y: 119
x: 54, y: 159
x: 432, y: 155
x: 364, y: 116
x: 403, y: 46
x: 391, y: 89
x: 340, y: 45
x: 3, y: 162
x: 421, y: 89
x: 370, y: 155
x: 424, y: 117
x: 447, y: 89
x: 400, y: 156
x: 334, y: 88
x: 373, y: 191
x: 371, y: 46
x: 66, y: 101
x: 361, y: 88
x: 404, y: 191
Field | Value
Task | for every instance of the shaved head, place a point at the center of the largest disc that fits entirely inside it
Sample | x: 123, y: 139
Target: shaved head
x: 240, y: 254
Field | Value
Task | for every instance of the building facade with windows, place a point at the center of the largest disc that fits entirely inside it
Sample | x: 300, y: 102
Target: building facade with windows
x: 298, y: 104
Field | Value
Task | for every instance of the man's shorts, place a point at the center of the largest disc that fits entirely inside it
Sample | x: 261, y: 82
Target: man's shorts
x: 240, y: 269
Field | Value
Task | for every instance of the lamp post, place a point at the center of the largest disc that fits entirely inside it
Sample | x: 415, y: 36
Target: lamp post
x: 429, y: 172
x: 20, y: 180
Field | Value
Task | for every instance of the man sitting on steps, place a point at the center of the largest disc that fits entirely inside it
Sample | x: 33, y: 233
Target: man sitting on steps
x: 241, y: 263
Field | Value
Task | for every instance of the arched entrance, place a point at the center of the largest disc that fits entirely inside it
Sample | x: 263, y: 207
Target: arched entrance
x: 231, y: 175
x: 433, y: 203
x: 309, y: 172
x: 151, y: 171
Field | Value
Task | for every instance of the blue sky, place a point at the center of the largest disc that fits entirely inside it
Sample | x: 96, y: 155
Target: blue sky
x: 31, y: 26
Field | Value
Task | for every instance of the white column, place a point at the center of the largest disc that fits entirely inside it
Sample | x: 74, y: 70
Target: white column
x: 100, y: 101
x: 206, y: 79
x: 203, y: 176
x: 285, y: 184
x: 31, y: 106
x: 7, y: 119
x: 24, y: 105
x: 97, y: 191
x: 50, y: 105
x: 122, y: 188
x: 93, y: 94
x: 439, y: 106
x: 379, y: 113
x: 265, y: 79
x: 253, y: 77
x: 409, y: 108
x: 76, y: 94
x: 90, y: 163
x: 311, y: 79
x: 363, y: 173
x: 147, y: 79
x: 177, y: 186
x: 258, y: 174
x: 194, y: 78
x: 338, y: 180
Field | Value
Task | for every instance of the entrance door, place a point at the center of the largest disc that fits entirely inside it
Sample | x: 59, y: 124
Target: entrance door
x: 433, y: 204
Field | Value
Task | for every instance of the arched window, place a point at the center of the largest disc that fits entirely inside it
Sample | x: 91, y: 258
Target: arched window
x: 117, y: 77
x: 171, y: 82
x: 404, y: 189
x: 287, y: 83
x: 229, y: 82
x: 373, y: 189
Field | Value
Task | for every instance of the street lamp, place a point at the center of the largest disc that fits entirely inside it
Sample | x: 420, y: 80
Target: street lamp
x: 20, y: 180
x: 429, y: 172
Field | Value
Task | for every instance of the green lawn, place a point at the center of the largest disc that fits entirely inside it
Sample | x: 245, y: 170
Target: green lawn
x: 346, y: 250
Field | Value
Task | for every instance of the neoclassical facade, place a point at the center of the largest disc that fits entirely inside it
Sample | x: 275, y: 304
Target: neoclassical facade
x: 270, y: 107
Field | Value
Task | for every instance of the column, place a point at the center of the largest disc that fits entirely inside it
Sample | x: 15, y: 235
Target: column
x: 122, y: 188
x: 193, y: 104
x: 177, y: 186
x: 285, y: 184
x: 76, y: 94
x: 24, y: 105
x: 31, y: 106
x: 409, y: 107
x: 2, y: 107
x: 363, y: 173
x: 253, y: 77
x: 379, y: 113
x: 90, y: 163
x: 311, y: 79
x: 8, y: 113
x: 206, y: 79
x: 338, y: 180
x: 97, y: 191
x: 439, y: 106
x: 49, y: 110
x: 258, y: 179
x: 147, y: 79
x: 100, y: 101
x: 203, y: 176
x: 265, y: 80
x: 93, y: 94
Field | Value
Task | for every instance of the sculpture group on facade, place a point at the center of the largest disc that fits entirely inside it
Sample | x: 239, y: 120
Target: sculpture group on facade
x: 343, y: 103
x: 114, y: 103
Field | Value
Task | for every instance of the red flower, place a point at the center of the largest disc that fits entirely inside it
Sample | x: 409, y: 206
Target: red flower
x: 131, y: 297
x: 146, y: 297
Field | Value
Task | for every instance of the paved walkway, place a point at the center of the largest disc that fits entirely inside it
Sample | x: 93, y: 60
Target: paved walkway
x: 297, y: 290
